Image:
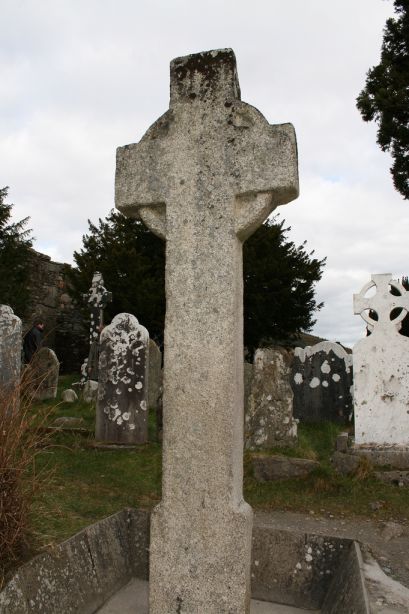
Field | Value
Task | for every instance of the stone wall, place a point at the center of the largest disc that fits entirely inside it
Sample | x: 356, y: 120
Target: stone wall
x: 50, y: 300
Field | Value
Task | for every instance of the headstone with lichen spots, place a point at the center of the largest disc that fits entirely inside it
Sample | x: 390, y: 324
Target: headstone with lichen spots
x: 269, y: 420
x: 322, y: 383
x: 10, y: 350
x: 122, y: 404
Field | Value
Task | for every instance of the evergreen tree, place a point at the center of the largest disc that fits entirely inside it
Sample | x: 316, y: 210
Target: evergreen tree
x: 132, y: 262
x: 385, y: 98
x: 279, y: 280
x: 15, y: 244
x: 279, y: 277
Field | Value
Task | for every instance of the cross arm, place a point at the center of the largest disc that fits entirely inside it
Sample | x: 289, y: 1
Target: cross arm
x: 142, y: 177
x: 267, y: 167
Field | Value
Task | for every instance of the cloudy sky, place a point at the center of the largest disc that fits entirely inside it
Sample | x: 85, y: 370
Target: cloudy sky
x: 80, y: 77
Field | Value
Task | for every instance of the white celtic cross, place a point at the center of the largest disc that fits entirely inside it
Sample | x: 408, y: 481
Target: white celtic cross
x: 383, y: 302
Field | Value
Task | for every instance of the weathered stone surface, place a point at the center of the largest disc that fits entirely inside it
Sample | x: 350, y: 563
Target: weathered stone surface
x: 269, y: 413
x: 295, y: 568
x: 80, y: 574
x: 69, y: 396
x: 347, y: 593
x: 43, y: 374
x: 122, y: 405
x: 90, y: 391
x: 155, y: 376
x: 394, y: 456
x: 381, y: 377
x: 97, y: 299
x: 10, y: 350
x: 269, y: 468
x: 344, y: 463
x: 341, y: 443
x: 204, y: 177
x: 68, y: 422
x: 399, y: 478
x: 322, y: 383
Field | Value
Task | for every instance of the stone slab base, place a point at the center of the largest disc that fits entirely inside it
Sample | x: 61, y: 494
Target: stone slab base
x: 114, y: 446
x: 394, y: 456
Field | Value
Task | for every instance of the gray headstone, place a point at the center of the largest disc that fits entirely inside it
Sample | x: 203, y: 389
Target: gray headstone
x: 269, y: 418
x: 204, y: 176
x: 90, y: 391
x: 122, y: 405
x: 69, y: 396
x: 322, y: 383
x: 155, y: 375
x: 43, y: 372
x: 10, y: 350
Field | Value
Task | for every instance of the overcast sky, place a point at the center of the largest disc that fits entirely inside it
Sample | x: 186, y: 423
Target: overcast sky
x: 81, y: 77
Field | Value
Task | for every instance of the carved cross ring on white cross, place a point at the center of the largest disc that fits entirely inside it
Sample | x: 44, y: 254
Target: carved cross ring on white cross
x: 383, y: 303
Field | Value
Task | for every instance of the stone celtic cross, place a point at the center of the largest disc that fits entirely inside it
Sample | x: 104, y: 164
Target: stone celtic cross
x: 97, y: 299
x: 383, y: 303
x: 204, y: 177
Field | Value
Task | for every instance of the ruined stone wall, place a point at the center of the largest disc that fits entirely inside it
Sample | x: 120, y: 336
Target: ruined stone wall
x: 50, y: 299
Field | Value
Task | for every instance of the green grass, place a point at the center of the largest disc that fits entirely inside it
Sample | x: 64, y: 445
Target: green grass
x: 85, y: 484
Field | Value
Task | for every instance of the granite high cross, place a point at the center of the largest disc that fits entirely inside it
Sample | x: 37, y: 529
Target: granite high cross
x: 204, y: 177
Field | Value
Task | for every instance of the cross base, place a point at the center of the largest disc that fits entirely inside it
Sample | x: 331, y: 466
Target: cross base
x: 200, y: 563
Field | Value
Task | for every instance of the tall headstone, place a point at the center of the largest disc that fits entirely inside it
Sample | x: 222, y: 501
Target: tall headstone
x: 381, y: 365
x: 204, y: 177
x: 10, y: 350
x: 122, y: 404
x: 97, y: 299
x: 322, y: 383
x: 269, y: 420
x: 43, y: 373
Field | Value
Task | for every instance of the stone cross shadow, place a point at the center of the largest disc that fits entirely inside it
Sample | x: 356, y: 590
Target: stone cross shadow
x: 204, y: 177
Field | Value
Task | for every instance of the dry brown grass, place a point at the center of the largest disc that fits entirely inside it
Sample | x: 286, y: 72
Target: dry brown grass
x: 22, y: 435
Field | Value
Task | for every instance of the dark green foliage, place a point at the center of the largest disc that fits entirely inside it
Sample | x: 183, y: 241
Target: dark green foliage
x: 132, y: 262
x: 15, y: 243
x: 385, y: 98
x: 279, y: 277
x: 279, y: 280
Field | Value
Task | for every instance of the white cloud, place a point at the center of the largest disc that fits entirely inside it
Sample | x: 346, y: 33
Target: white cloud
x: 81, y: 78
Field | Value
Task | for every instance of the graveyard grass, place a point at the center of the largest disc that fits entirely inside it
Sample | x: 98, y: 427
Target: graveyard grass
x: 86, y: 484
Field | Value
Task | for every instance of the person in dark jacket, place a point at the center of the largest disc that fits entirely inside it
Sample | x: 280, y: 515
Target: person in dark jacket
x: 33, y: 340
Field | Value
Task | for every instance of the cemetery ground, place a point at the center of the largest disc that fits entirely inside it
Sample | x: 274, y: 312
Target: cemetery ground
x: 84, y: 484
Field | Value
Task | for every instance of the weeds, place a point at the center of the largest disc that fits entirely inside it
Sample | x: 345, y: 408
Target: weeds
x: 21, y: 437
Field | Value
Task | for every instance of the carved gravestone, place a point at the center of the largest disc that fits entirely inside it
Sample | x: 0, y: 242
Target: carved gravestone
x: 204, y: 177
x: 269, y: 418
x: 97, y: 299
x: 122, y: 404
x: 381, y: 365
x: 43, y: 373
x: 10, y: 350
x: 322, y: 383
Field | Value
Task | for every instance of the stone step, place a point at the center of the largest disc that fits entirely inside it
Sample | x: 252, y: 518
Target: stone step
x: 133, y: 599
